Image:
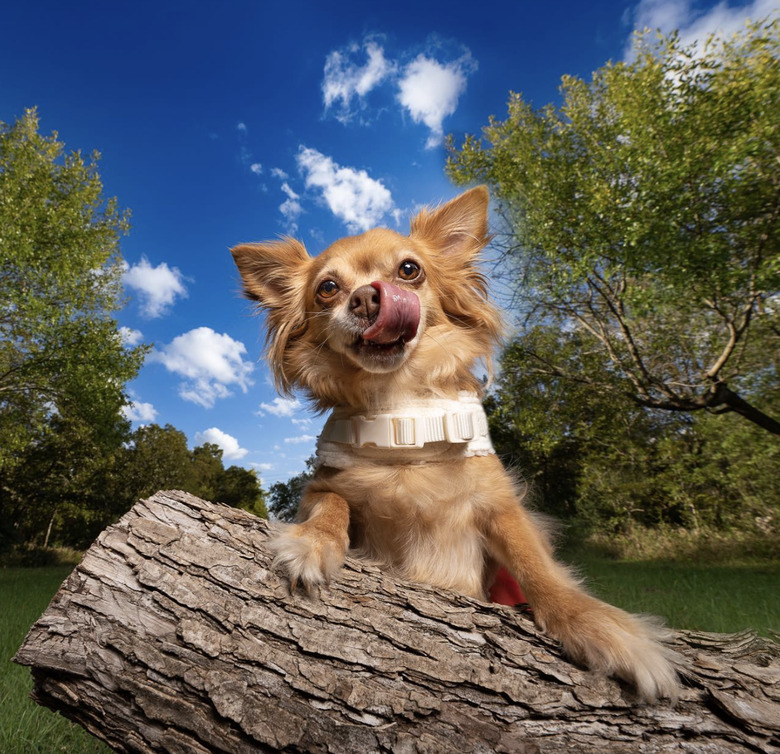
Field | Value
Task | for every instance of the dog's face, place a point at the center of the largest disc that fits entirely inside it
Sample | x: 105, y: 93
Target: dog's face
x: 380, y: 311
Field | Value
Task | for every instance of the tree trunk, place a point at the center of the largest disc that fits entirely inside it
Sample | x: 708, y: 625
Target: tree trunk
x: 174, y: 634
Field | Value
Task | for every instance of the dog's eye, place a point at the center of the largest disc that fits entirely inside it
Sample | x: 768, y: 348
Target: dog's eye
x: 327, y: 289
x: 409, y: 270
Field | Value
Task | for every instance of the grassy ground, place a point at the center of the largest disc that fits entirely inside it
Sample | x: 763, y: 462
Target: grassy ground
x: 722, y: 598
x: 26, y: 728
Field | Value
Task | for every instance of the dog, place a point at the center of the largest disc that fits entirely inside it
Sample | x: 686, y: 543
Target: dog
x: 385, y: 330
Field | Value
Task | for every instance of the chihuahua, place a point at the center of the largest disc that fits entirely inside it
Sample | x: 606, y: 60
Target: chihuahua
x: 385, y: 330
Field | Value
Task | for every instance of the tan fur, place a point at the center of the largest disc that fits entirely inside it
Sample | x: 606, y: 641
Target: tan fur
x: 448, y: 524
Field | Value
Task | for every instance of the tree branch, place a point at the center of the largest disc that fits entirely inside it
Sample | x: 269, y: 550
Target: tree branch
x: 724, y: 399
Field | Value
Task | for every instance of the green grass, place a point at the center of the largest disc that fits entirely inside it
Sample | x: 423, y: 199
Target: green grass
x: 25, y: 727
x: 704, y: 597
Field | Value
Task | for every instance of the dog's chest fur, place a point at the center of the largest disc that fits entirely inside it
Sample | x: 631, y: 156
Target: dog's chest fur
x: 423, y: 521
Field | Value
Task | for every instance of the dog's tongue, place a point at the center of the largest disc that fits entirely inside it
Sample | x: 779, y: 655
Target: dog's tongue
x: 399, y: 314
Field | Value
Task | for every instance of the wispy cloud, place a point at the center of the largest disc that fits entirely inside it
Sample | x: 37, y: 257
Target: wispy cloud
x: 244, y: 154
x: 282, y: 407
x: 137, y: 411
x: 231, y: 450
x: 355, y: 198
x: 130, y: 337
x: 291, y: 208
x: 157, y: 287
x: 346, y: 82
x: 299, y: 440
x: 695, y: 24
x: 428, y: 87
x: 209, y: 363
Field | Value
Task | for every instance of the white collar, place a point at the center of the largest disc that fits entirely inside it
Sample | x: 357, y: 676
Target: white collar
x: 416, y: 431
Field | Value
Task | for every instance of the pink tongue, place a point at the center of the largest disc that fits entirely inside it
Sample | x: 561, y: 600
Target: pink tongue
x: 399, y: 314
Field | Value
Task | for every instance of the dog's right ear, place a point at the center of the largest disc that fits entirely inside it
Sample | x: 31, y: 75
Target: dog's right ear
x: 270, y: 271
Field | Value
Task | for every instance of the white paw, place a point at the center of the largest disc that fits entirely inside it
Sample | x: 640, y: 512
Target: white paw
x: 308, y: 555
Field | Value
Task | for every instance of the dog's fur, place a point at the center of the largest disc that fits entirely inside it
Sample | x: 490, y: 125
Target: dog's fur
x: 449, y: 524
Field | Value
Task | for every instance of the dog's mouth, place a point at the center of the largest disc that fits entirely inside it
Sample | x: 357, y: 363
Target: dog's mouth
x: 379, y: 357
x: 372, y: 346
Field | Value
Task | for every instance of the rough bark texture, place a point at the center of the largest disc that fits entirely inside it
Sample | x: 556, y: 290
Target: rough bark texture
x: 174, y: 634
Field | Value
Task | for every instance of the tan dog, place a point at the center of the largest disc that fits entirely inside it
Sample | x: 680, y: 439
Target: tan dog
x: 386, y: 329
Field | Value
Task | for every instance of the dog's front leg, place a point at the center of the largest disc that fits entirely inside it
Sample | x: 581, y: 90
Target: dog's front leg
x: 592, y: 632
x: 313, y: 551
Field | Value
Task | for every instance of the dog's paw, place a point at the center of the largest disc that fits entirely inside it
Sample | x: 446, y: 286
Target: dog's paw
x: 609, y: 640
x: 309, y: 555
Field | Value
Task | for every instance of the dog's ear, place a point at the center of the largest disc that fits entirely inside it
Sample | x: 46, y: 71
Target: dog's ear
x: 274, y: 275
x: 270, y: 271
x: 456, y: 232
x: 458, y: 228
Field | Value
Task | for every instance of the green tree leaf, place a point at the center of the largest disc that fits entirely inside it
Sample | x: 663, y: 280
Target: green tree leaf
x: 642, y: 220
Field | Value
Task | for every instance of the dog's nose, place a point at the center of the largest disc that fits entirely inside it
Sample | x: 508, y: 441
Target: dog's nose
x: 364, y: 302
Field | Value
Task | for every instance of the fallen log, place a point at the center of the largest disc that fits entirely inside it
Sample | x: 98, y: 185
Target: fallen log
x: 175, y: 634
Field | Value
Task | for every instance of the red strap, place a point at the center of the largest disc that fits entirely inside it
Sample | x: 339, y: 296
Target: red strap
x: 506, y: 591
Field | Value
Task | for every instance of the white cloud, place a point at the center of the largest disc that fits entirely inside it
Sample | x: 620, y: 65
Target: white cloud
x: 428, y: 87
x: 256, y: 168
x: 136, y: 411
x: 130, y: 337
x: 291, y: 207
x: 156, y: 287
x: 279, y: 173
x: 346, y: 80
x: 696, y: 25
x: 208, y: 362
x: 231, y: 450
x: 281, y: 407
x: 352, y: 195
x: 263, y: 466
x: 430, y: 90
x: 300, y: 439
x: 241, y: 127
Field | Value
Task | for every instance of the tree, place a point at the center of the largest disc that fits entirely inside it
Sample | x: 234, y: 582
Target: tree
x: 605, y: 464
x: 285, y: 496
x: 157, y: 458
x: 63, y: 364
x: 240, y: 488
x: 176, y: 634
x: 643, y: 221
x: 206, y: 469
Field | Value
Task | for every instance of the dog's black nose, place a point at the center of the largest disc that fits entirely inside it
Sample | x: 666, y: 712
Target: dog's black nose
x: 364, y: 302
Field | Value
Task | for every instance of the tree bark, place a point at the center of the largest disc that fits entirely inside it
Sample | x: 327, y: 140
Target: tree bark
x: 175, y: 634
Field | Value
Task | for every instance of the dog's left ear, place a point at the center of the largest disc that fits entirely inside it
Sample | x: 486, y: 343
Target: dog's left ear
x: 455, y: 233
x: 458, y: 228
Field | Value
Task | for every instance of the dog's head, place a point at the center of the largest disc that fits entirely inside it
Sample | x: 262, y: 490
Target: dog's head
x: 380, y: 315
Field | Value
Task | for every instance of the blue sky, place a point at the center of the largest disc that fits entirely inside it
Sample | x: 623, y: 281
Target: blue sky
x: 233, y: 121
